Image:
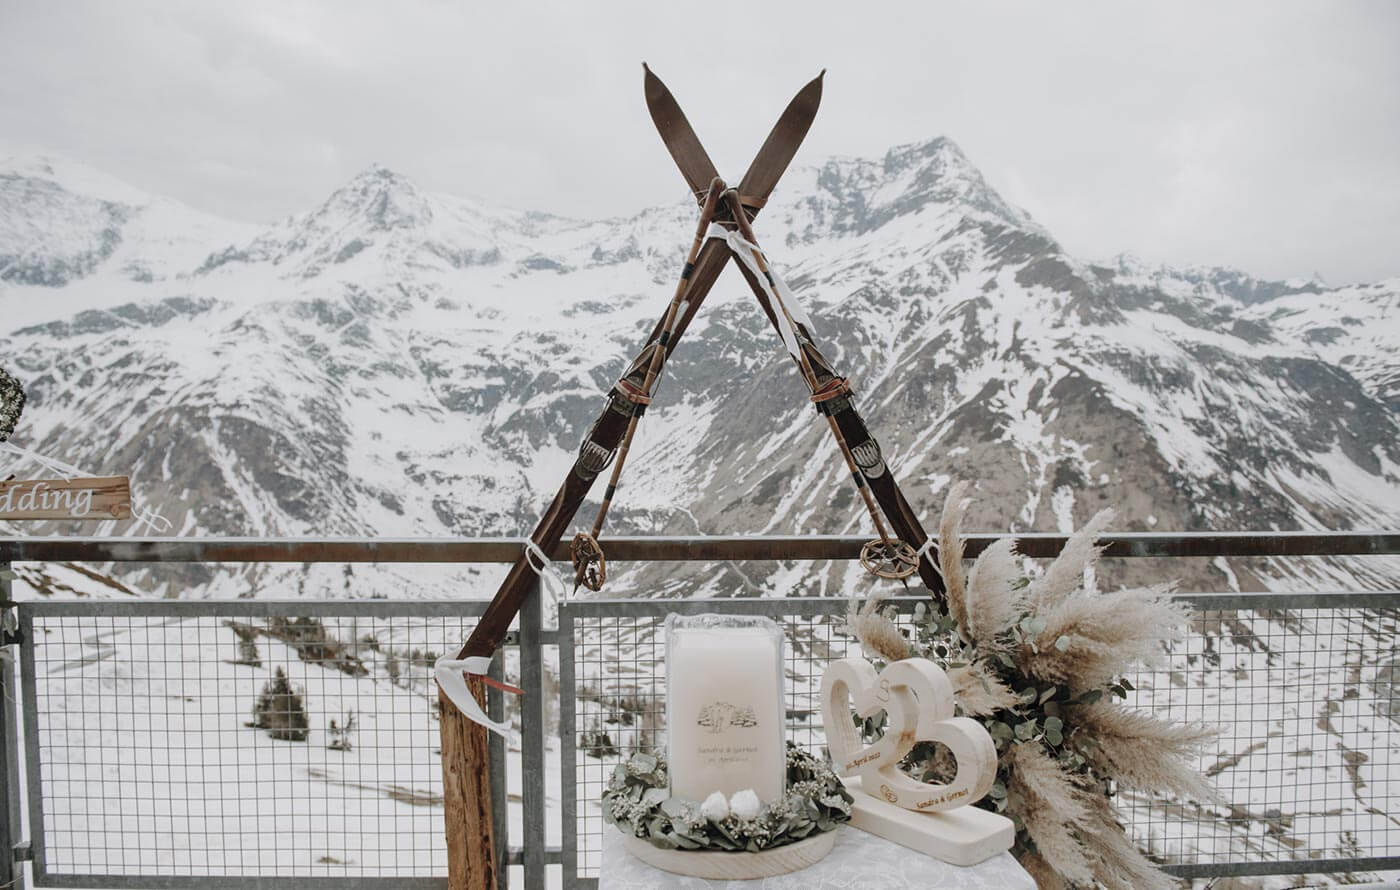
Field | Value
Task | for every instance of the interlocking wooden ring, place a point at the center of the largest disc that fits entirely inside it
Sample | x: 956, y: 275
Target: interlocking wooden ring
x: 895, y: 560
x: 590, y: 568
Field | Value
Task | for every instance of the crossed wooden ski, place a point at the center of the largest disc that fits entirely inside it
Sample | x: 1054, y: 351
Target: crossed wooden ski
x: 732, y: 209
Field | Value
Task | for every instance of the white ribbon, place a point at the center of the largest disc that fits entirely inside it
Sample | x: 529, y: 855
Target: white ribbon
x: 777, y: 289
x: 452, y: 680
x: 149, y: 518
x: 925, y: 551
x: 449, y: 671
x: 145, y: 516
x: 549, y: 575
x: 67, y: 471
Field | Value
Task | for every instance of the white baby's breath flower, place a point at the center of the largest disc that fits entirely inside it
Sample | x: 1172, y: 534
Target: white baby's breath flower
x: 744, y: 804
x: 715, y: 808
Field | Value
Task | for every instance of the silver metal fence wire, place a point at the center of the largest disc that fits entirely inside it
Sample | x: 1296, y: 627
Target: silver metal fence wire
x: 1307, y: 763
x: 237, y: 744
x: 142, y: 761
x: 1307, y: 700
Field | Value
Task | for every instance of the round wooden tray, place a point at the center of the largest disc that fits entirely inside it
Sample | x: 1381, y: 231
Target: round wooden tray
x: 726, y: 865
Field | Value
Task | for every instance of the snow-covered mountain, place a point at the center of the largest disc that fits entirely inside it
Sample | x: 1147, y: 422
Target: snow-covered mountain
x: 397, y: 362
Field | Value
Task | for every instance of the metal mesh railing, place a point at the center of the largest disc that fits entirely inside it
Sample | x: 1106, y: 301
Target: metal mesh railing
x: 1304, y: 688
x: 237, y: 741
x: 140, y: 771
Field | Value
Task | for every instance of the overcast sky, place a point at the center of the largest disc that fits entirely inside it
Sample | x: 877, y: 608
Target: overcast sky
x: 1259, y: 135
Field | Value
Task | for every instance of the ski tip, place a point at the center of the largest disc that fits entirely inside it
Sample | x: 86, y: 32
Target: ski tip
x: 820, y: 74
x: 653, y: 85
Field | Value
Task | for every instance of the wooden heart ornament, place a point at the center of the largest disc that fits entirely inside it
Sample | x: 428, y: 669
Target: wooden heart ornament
x: 918, y: 700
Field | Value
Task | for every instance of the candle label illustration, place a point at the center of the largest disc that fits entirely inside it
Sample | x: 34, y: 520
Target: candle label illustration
x: 716, y: 717
x: 724, y: 706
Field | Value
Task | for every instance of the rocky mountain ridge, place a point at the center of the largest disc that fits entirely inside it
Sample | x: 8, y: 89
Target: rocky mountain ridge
x: 397, y: 362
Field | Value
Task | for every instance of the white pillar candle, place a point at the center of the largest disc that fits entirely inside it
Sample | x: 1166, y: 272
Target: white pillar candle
x: 724, y: 706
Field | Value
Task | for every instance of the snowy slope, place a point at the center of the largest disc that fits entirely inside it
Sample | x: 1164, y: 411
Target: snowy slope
x: 395, y: 362
x: 403, y: 363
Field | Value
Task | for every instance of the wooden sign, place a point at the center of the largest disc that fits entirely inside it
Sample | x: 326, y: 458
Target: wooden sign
x: 103, y: 497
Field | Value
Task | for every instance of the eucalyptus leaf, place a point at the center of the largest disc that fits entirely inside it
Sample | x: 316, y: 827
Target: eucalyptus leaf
x: 638, y: 802
x: 655, y: 796
x: 674, y: 807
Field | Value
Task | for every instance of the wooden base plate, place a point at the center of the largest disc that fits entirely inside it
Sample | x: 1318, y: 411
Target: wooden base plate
x: 965, y: 836
x: 724, y: 865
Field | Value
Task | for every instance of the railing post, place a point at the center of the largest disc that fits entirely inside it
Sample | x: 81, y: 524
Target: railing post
x: 532, y: 741
x: 9, y: 785
x: 497, y: 773
x: 568, y: 750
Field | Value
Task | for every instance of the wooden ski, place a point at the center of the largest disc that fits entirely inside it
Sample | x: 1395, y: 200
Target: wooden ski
x: 471, y: 842
x: 603, y: 439
x: 833, y: 398
x: 694, y: 163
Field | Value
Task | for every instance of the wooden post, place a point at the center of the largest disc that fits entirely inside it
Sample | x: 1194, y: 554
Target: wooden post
x: 466, y: 797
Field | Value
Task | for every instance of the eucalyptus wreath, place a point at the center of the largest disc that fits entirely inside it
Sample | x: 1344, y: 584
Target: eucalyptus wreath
x: 11, y: 404
x: 638, y: 801
x: 1040, y: 660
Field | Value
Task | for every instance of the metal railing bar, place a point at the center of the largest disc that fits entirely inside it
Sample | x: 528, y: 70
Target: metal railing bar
x: 32, y: 783
x: 568, y: 751
x: 667, y: 548
x: 1322, y: 599
x: 825, y: 605
x: 255, y: 608
x: 229, y: 882
x: 496, y: 747
x: 532, y: 771
x: 805, y: 606
x: 516, y: 856
x: 10, y: 832
x: 1284, y: 867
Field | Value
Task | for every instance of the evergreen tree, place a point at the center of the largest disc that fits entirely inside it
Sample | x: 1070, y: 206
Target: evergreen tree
x: 280, y: 710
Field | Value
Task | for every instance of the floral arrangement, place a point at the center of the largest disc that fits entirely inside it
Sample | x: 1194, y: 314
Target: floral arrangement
x: 11, y: 404
x: 1040, y: 661
x: 637, y: 801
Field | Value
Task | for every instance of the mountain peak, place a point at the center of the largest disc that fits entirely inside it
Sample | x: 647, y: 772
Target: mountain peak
x: 908, y: 179
x: 381, y: 197
x: 939, y: 150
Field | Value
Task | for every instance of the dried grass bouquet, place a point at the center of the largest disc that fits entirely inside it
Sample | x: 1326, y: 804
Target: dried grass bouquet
x: 1040, y: 661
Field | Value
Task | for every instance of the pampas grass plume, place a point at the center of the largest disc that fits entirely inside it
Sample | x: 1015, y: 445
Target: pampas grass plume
x: 992, y: 601
x: 877, y: 634
x: 1066, y: 573
x: 950, y: 552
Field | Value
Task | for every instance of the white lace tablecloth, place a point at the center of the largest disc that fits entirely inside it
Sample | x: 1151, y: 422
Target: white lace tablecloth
x: 859, y: 861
